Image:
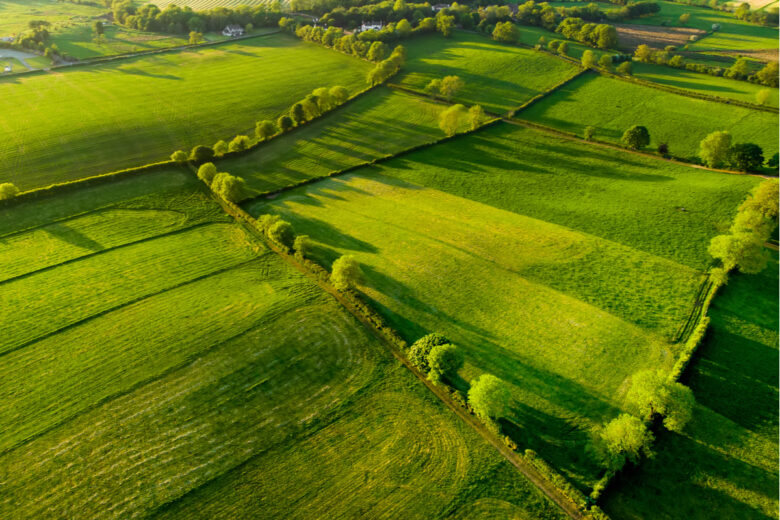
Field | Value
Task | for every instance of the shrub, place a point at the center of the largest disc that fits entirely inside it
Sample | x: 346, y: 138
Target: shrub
x: 346, y: 273
x: 588, y: 59
x: 302, y: 245
x: 663, y: 149
x: 476, y: 116
x: 433, y: 88
x: 774, y: 161
x: 450, y: 85
x: 563, y: 49
x: 444, y: 361
x: 229, y: 187
x: 179, y: 156
x: 207, y: 172
x: 636, y: 137
x: 506, y: 32
x: 285, y: 123
x: 451, y: 119
x: 297, y: 113
x: 8, y: 191
x: 239, y: 143
x: 420, y: 349
x: 201, y: 154
x: 265, y: 129
x: 589, y: 132
x: 605, y: 62
x: 282, y: 233
x: 489, y: 396
x: 377, y: 51
x: 624, y: 68
x: 220, y: 148
x: 624, y: 439
x: 339, y: 94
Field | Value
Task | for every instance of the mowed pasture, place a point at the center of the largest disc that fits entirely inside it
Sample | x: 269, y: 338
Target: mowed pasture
x: 15, y: 14
x: 222, y: 379
x: 564, y: 315
x: 497, y: 76
x: 69, y: 124
x: 205, y: 5
x: 612, y: 106
x: 726, y: 460
x: 345, y: 137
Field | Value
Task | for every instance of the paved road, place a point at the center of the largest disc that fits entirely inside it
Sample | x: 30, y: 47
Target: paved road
x: 19, y: 55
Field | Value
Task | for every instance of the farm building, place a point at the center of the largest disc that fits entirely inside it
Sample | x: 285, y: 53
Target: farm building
x: 233, y: 31
x: 377, y: 26
x: 438, y: 7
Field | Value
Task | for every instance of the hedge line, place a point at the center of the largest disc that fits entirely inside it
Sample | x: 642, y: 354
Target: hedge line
x: 547, y: 92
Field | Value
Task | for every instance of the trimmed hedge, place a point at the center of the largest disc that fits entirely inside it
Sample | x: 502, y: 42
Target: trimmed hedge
x: 558, y: 480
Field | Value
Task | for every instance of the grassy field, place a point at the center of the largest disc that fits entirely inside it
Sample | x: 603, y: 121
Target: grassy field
x: 79, y: 41
x: 379, y: 123
x: 613, y: 105
x: 702, y: 83
x: 15, y: 14
x: 558, y: 305
x: 497, y: 76
x: 88, y: 120
x: 726, y: 460
x: 224, y: 379
x: 204, y: 5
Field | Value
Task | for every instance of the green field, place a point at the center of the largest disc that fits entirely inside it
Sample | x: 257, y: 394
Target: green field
x: 222, y: 380
x: 382, y: 122
x: 74, y: 123
x: 612, y: 106
x: 79, y: 41
x: 437, y: 232
x: 499, y: 77
x: 726, y: 461
x: 14, y: 14
x: 702, y: 83
x: 204, y: 5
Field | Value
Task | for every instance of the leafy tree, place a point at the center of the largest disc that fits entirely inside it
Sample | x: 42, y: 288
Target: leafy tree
x: 302, y: 245
x: 624, y: 68
x: 506, y: 32
x: 285, y: 123
x: 282, y: 233
x: 195, y: 37
x: 636, y: 137
x: 768, y: 75
x: 239, y: 143
x: 684, y: 18
x: 489, y: 396
x: 207, y: 172
x: 774, y: 161
x: 588, y: 59
x: 742, y: 250
x: 297, y: 113
x: 420, y: 349
x: 339, y: 95
x: 714, y: 148
x: 179, y: 156
x: 403, y: 28
x: 476, y: 116
x: 553, y: 45
x: 345, y: 273
x: 624, y: 439
x: 451, y: 119
x: 746, y: 157
x: 265, y: 129
x: 8, y: 191
x: 445, y: 25
x: 588, y: 133
x: 643, y: 53
x: 450, y: 85
x: 378, y: 51
x: 433, y: 88
x: 98, y: 28
x: 663, y: 149
x: 201, y: 154
x: 606, y: 36
x: 677, y: 62
x: 605, y: 62
x: 563, y: 49
x: 652, y: 393
x: 229, y: 187
x: 398, y: 56
x: 763, y: 95
x: 740, y: 68
x: 444, y: 361
x: 220, y: 148
x: 759, y: 211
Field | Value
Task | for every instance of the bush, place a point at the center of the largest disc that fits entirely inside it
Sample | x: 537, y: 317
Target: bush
x: 589, y: 132
x: 489, y: 396
x: 450, y: 85
x: 636, y: 137
x: 605, y: 62
x: 207, y: 172
x: 346, y: 273
x: 624, y: 439
x: 624, y: 68
x: 663, y: 149
x: 265, y: 129
x: 220, y: 148
x: 201, y: 154
x: 8, y: 191
x: 285, y: 123
x: 282, y: 233
x: 451, y: 119
x: 444, y: 361
x: 302, y: 246
x: 588, y: 59
x: 746, y: 157
x: 179, y: 156
x: 229, y: 187
x: 506, y: 32
x: 239, y: 143
x: 420, y: 349
x: 476, y: 116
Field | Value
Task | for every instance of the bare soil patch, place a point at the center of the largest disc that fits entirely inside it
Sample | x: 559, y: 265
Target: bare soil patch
x: 631, y: 36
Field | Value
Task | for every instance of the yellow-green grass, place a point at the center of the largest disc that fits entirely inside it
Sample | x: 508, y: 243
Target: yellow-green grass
x: 703, y: 83
x: 210, y: 380
x: 726, y: 460
x: 87, y: 120
x: 16, y: 65
x: 497, y: 76
x: 79, y: 41
x: 15, y: 14
x: 612, y: 106
x: 563, y: 316
x: 382, y: 122
x: 39, y: 62
x: 205, y: 5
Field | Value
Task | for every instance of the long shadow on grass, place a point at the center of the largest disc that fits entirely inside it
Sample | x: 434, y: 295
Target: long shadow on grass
x: 73, y: 236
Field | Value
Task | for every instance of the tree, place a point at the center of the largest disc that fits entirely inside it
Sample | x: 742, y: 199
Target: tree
x: 433, y: 88
x: 763, y: 204
x: 179, y: 156
x: 763, y: 95
x: 345, y: 273
x: 652, y: 393
x: 99, y: 28
x: 774, y: 161
x: 663, y: 149
x: 8, y: 191
x: 476, y: 116
x: 624, y: 439
x: 285, y: 123
x: 740, y: 68
x: 297, y: 113
x: 282, y: 233
x: 229, y: 187
x: 714, y: 147
x: 768, y: 75
x: 450, y: 85
x: 588, y: 133
x: 563, y: 49
x: 195, y: 37
x: 643, y: 53
x: 684, y: 18
x: 489, y: 396
x: 420, y: 349
x: 445, y: 25
x: 207, y: 172
x: 741, y: 250
x: 265, y: 129
x: 220, y: 148
x: 588, y: 59
x: 606, y: 36
x: 444, y: 361
x: 201, y: 154
x: 239, y: 143
x: 605, y: 62
x: 636, y: 137
x: 302, y: 245
x: 746, y: 157
x: 378, y: 51
x: 403, y: 28
x: 451, y: 119
x: 506, y: 32
x: 339, y: 95
x: 624, y: 68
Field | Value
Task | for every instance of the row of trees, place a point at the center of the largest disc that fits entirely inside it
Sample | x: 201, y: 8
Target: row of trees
x: 716, y: 151
x: 227, y: 186
x: 458, y: 116
x: 603, y: 36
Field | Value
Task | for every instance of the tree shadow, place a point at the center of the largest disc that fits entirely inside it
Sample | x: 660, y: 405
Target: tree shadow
x: 141, y: 72
x: 68, y: 234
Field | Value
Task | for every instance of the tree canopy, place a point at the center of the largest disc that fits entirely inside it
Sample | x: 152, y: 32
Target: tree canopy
x: 489, y: 396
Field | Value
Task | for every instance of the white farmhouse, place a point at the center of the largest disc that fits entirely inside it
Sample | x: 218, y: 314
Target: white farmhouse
x: 233, y: 30
x: 438, y: 7
x: 367, y: 26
